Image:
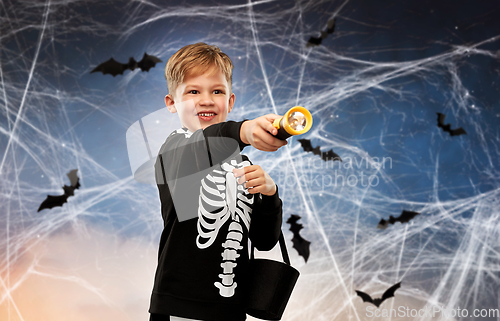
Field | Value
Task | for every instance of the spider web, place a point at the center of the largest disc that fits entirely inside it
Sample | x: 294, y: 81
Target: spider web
x: 373, y: 86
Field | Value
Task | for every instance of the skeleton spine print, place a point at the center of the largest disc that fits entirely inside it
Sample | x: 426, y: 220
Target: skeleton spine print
x: 222, y: 199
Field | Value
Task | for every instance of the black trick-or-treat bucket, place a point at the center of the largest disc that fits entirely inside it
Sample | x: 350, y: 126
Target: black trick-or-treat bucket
x: 270, y: 284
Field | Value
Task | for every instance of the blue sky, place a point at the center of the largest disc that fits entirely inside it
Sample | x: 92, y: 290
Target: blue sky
x: 374, y: 87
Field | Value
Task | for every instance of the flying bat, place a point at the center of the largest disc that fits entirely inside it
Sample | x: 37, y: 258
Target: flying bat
x: 405, y: 217
x: 447, y: 127
x: 326, y: 156
x: 299, y: 243
x: 73, y: 178
x: 316, y: 41
x: 58, y: 200
x: 378, y: 301
x: 114, y: 67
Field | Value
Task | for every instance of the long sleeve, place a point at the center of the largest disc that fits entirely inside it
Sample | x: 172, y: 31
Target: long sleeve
x: 208, y: 220
x: 189, y: 153
x: 267, y: 216
x: 186, y: 158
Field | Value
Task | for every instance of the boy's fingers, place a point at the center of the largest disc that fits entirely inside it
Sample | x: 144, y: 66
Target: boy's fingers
x: 246, y: 173
x: 238, y: 172
x: 250, y: 181
x: 248, y: 177
x: 268, y: 126
x: 273, y: 142
x: 241, y: 171
x: 272, y: 117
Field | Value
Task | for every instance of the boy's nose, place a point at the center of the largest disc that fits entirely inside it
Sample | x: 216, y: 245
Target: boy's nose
x: 206, y: 100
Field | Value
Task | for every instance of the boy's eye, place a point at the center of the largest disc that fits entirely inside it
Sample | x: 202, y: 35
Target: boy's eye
x: 218, y: 92
x: 193, y: 91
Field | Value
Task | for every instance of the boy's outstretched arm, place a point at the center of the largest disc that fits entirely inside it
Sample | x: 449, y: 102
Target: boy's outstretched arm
x: 259, y: 133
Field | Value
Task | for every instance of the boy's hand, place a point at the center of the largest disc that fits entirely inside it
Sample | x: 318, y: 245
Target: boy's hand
x: 255, y: 179
x: 256, y: 132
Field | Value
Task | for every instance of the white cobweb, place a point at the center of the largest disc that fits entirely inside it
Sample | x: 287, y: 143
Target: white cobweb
x: 374, y: 102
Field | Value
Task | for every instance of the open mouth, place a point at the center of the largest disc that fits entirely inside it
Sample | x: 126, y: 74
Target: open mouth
x: 206, y: 116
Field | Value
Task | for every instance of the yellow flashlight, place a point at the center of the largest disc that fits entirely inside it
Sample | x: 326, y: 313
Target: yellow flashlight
x: 297, y: 120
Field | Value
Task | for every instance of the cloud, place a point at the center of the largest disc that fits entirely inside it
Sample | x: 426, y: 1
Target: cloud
x: 80, y: 275
x: 89, y: 274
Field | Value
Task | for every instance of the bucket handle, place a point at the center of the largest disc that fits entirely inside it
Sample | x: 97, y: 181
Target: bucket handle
x: 284, y: 252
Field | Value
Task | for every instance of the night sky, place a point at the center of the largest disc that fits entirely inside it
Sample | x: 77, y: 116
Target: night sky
x: 374, y: 87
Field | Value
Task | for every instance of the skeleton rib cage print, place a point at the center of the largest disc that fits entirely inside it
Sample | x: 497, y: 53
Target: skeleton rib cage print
x: 222, y: 199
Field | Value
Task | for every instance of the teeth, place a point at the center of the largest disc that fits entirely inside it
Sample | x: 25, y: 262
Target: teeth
x: 206, y: 114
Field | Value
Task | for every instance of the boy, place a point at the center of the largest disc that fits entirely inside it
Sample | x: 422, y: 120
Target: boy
x: 212, y: 199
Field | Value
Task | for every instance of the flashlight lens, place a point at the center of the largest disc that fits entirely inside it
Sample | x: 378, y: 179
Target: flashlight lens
x: 297, y: 121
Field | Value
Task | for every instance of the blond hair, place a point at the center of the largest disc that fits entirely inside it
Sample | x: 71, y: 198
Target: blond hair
x: 196, y: 59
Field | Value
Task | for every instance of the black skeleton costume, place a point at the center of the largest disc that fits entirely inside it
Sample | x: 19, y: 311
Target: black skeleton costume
x: 203, y: 253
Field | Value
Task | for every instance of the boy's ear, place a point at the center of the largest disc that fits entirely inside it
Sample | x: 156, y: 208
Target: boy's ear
x: 231, y: 102
x: 169, y: 101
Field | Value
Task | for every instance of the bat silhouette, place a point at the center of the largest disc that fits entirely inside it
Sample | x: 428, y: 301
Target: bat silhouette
x: 447, y: 127
x: 405, y: 217
x: 114, y: 68
x: 316, y: 41
x: 299, y: 243
x: 326, y: 156
x: 58, y: 200
x: 378, y: 301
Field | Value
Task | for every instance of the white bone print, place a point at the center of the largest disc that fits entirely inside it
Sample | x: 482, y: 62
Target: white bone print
x: 221, y: 193
x: 229, y: 256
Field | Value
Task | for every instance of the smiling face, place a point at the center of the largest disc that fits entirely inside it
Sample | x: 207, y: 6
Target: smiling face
x: 211, y: 99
